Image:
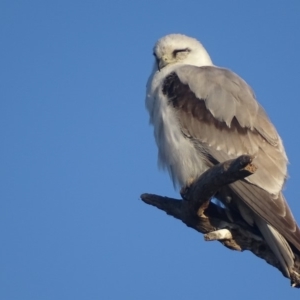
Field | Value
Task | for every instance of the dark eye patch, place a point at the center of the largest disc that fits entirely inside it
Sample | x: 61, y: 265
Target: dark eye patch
x: 176, y: 51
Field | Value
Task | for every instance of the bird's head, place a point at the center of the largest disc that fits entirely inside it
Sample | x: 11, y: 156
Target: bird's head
x: 180, y: 49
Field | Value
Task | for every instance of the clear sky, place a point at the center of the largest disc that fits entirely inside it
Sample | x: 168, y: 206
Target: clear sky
x: 77, y: 150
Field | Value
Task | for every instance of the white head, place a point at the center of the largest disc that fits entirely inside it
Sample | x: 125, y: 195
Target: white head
x: 180, y: 49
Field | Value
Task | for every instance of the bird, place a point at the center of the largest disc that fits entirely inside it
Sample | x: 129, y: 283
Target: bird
x: 203, y: 115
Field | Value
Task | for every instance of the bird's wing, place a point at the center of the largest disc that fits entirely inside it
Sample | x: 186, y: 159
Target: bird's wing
x: 217, y: 109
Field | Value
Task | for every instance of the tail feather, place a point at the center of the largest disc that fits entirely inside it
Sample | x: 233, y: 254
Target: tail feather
x: 278, y: 245
x: 233, y: 197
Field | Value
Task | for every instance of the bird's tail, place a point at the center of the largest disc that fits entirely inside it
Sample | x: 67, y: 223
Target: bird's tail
x: 278, y: 245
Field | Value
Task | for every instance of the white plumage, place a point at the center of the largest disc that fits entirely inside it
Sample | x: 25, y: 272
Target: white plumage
x: 202, y: 115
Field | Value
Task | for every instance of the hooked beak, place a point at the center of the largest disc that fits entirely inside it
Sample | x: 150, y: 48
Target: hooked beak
x: 161, y: 63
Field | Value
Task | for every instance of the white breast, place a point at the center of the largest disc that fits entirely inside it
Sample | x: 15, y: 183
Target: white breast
x: 176, y: 153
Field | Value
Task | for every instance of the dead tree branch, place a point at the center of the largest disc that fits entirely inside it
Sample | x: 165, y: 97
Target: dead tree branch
x: 216, y: 223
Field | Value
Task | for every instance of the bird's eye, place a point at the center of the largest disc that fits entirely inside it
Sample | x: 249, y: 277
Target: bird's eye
x: 176, y: 51
x: 154, y: 54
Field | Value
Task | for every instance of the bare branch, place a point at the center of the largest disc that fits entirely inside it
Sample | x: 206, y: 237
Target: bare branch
x: 215, y: 222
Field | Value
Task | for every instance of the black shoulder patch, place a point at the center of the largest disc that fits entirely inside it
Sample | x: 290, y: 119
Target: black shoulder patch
x: 188, y: 106
x: 180, y: 96
x: 169, y: 85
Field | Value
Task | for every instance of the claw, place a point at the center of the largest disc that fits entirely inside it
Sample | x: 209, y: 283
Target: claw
x: 184, y: 191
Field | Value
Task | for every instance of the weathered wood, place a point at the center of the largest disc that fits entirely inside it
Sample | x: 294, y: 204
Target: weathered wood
x: 198, y: 212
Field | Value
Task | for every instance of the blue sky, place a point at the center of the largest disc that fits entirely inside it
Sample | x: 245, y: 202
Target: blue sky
x: 77, y: 150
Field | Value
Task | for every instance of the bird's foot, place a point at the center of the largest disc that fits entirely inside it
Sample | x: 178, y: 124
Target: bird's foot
x: 185, y: 190
x: 218, y: 235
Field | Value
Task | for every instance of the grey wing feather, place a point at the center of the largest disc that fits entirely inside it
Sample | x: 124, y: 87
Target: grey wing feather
x: 218, y: 109
x: 243, y: 126
x: 224, y: 92
x: 274, y: 210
